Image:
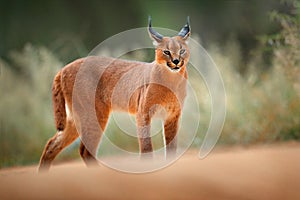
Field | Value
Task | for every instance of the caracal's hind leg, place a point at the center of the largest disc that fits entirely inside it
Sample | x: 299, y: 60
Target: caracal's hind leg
x: 170, y: 132
x: 90, y: 138
x: 57, y: 143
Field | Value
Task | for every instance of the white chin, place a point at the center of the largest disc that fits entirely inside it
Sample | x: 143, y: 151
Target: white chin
x: 174, y: 70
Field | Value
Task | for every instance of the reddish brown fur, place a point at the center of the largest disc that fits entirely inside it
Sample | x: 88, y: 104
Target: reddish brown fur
x: 165, y: 88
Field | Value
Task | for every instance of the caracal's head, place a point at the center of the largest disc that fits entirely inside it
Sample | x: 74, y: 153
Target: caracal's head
x: 171, y: 52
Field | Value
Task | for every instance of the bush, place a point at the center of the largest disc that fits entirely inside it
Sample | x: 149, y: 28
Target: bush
x: 265, y: 107
x: 25, y: 106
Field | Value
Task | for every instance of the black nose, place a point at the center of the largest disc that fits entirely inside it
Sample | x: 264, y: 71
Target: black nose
x: 176, y: 61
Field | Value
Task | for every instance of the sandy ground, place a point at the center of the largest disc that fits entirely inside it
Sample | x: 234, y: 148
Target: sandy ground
x: 260, y: 172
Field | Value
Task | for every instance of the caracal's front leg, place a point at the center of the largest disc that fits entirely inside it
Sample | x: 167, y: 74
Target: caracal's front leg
x: 170, y: 131
x: 143, y: 132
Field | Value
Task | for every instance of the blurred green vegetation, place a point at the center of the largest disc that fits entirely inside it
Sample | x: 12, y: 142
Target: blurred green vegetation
x: 72, y: 28
x: 255, y: 43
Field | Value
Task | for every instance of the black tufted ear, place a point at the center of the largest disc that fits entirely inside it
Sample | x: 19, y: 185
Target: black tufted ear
x: 185, y: 32
x: 153, y: 34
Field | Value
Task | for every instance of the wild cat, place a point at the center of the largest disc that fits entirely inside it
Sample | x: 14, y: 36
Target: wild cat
x: 142, y: 89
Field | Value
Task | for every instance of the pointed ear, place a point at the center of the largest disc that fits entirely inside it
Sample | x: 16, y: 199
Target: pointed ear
x: 155, y: 36
x: 185, y: 32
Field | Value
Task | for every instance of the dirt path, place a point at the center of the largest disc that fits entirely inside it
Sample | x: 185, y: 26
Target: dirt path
x: 263, y: 172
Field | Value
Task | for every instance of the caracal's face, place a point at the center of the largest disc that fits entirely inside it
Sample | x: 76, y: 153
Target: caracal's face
x: 172, y: 52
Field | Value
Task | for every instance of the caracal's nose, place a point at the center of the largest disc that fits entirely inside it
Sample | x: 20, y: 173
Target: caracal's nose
x: 176, y: 61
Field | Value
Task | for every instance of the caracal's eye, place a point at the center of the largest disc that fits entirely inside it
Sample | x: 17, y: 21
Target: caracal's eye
x: 182, y: 51
x: 166, y: 52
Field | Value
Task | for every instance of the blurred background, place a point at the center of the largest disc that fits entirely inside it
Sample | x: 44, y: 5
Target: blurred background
x: 255, y: 44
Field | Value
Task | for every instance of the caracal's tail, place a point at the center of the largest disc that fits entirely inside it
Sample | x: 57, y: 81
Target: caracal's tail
x: 58, y: 103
